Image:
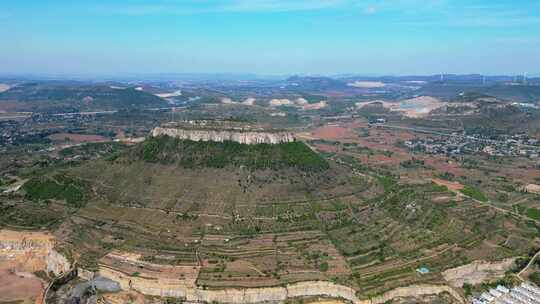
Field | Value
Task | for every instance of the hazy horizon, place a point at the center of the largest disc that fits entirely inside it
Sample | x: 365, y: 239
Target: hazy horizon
x: 270, y: 37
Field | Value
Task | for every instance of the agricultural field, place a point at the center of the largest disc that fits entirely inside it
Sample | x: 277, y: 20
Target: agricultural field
x: 394, y: 213
x: 349, y: 202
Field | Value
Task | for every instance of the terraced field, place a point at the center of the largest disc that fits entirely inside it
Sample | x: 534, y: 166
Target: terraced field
x: 361, y: 224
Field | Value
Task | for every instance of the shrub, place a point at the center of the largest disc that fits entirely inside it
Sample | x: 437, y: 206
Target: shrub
x: 58, y: 187
x: 535, y: 278
x: 474, y: 193
x: 533, y: 213
x: 467, y: 288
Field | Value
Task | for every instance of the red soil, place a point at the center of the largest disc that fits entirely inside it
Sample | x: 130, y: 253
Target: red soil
x: 332, y: 133
x: 14, y: 287
x: 77, y: 138
x: 454, y: 186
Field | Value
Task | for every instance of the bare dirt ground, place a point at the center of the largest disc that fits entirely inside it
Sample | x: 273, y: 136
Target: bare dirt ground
x: 415, y: 107
x: 77, y: 138
x: 454, y: 186
x: 16, y: 287
x: 380, y: 140
x: 477, y: 272
x: 4, y: 87
x: 9, y: 106
x: 332, y: 133
x: 13, y: 115
x: 130, y: 263
x: 125, y: 297
x: 366, y: 84
x: 327, y: 301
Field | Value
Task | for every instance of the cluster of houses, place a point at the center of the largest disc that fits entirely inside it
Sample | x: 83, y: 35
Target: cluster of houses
x: 526, y: 293
x: 516, y: 145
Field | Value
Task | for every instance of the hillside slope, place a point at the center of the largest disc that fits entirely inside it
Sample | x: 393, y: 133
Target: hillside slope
x: 67, y: 97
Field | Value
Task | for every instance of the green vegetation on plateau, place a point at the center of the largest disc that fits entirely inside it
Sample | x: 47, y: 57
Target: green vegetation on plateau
x: 58, y: 187
x: 192, y: 154
x: 474, y: 193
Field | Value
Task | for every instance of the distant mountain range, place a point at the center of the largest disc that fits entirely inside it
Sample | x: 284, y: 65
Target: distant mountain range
x: 75, y: 96
x: 149, y: 77
x: 70, y: 95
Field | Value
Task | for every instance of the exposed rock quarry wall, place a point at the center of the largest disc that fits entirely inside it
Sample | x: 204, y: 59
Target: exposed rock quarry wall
x: 274, y: 294
x: 153, y: 287
x: 57, y: 263
x: 36, y: 252
x: 32, y: 251
x: 192, y: 293
x: 415, y: 291
x: 243, y: 137
x: 269, y: 294
x: 477, y: 272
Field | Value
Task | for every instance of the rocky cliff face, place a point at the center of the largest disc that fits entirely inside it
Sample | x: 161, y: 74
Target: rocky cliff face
x: 477, y: 272
x: 415, y: 291
x: 56, y: 263
x: 192, y: 293
x: 243, y: 137
x: 274, y: 294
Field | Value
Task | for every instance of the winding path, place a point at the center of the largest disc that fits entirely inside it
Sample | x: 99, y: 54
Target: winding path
x: 528, y: 265
x: 66, y: 275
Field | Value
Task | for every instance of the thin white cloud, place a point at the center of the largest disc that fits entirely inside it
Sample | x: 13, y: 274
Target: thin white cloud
x: 370, y: 10
x: 279, y: 5
x: 194, y: 6
x: 413, y: 13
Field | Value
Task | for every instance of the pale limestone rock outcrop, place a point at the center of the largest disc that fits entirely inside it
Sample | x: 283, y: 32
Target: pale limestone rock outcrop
x: 321, y: 288
x: 191, y: 293
x: 85, y: 274
x: 415, y: 291
x: 273, y: 294
x: 187, y: 290
x: 154, y: 287
x: 477, y: 272
x: 57, y: 263
x: 243, y: 137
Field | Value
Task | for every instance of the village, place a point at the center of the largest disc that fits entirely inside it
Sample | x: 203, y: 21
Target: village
x: 456, y: 144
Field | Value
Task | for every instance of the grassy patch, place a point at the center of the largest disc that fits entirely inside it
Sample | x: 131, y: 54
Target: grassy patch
x: 535, y: 278
x: 474, y: 193
x: 387, y: 182
x: 323, y: 267
x: 533, y: 213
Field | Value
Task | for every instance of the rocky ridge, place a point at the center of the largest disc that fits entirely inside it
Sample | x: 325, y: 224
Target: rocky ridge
x: 192, y: 293
x: 240, y: 136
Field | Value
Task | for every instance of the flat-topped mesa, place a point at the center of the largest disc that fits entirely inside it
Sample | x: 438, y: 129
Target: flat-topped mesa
x: 220, y: 132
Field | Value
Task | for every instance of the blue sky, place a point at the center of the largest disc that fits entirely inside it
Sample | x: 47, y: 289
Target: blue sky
x: 270, y: 36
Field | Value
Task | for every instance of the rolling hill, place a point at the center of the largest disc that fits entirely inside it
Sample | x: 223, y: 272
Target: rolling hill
x: 68, y: 96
